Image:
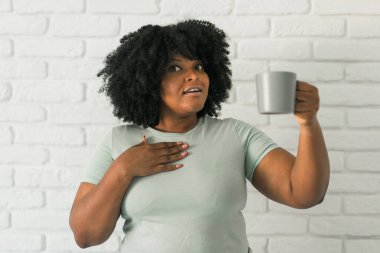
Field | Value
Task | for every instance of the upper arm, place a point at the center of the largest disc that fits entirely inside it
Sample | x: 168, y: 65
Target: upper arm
x: 272, y: 177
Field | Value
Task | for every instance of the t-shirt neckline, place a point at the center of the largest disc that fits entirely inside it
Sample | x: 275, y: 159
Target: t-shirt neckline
x: 191, y: 131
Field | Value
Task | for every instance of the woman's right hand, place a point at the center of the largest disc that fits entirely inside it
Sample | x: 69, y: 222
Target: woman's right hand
x: 146, y: 159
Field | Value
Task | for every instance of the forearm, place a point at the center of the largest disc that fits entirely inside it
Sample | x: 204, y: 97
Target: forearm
x: 94, y: 217
x: 311, y: 172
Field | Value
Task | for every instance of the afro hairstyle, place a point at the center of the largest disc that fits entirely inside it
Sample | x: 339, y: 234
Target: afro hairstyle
x: 133, y: 71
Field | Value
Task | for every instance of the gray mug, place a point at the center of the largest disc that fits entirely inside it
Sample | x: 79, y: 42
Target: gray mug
x: 276, y: 92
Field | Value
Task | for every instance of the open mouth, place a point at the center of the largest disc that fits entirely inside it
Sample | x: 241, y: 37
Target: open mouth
x: 192, y: 91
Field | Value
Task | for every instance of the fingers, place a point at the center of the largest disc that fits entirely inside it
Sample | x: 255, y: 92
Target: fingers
x: 304, y: 86
x: 172, y: 158
x: 169, y: 167
x: 161, y: 145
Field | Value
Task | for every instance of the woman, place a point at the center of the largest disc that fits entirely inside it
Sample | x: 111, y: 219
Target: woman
x: 177, y: 174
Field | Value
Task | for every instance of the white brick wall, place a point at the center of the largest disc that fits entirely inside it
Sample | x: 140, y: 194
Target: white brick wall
x: 51, y: 115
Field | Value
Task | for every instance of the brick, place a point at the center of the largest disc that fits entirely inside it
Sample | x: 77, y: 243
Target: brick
x: 363, y: 117
x: 258, y: 245
x: 22, y: 113
x: 51, y: 135
x: 60, y: 199
x: 328, y: 7
x: 22, y: 69
x: 336, y: 161
x: 22, y: 242
x: 40, y: 219
x: 362, y: 245
x: 5, y: 132
x: 22, y: 155
x: 353, y: 183
x: 5, y: 5
x: 326, y: 117
x: 23, y: 25
x: 271, y: 7
x: 84, y: 26
x: 196, y: 7
x: 131, y: 23
x: 263, y: 224
x: 6, y: 48
x: 362, y: 204
x: 70, y: 156
x: 74, y: 70
x: 49, y: 48
x: 283, y: 120
x: 241, y: 26
x: 311, y: 71
x: 100, y: 48
x: 49, y: 6
x: 352, y: 140
x: 94, y: 134
x: 347, y: 50
x: 6, y: 177
x: 5, y: 91
x: 274, y: 49
x: 21, y: 199
x: 354, y: 95
x: 350, y: 226
x: 256, y: 202
x: 308, y: 26
x: 4, y: 222
x: 65, y: 242
x: 54, y: 178
x: 120, y: 6
x: 82, y: 114
x: 363, y: 161
x: 304, y: 244
x: 246, y: 94
x: 245, y: 113
x: 363, y: 72
x: 48, y: 91
x: 286, y: 138
x: 243, y: 70
x: 366, y: 27
x: 331, y: 117
x: 330, y: 205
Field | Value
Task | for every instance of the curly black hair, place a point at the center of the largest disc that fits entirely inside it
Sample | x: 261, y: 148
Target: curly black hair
x: 133, y: 71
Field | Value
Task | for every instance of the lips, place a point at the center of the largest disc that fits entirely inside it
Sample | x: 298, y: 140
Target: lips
x: 192, y: 87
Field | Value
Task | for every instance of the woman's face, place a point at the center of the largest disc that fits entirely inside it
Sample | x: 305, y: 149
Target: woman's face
x: 180, y: 75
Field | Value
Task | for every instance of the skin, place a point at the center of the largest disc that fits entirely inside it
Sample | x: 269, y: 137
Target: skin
x: 299, y: 182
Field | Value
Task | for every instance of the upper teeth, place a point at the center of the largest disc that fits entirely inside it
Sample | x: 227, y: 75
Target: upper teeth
x: 193, y: 90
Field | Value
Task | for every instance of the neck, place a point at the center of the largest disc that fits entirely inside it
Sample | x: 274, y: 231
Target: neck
x: 177, y: 125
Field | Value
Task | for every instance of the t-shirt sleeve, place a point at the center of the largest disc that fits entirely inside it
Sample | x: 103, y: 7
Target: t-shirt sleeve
x: 256, y: 145
x: 99, y: 162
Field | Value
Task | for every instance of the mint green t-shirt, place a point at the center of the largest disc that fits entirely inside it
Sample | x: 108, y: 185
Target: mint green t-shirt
x: 196, y: 208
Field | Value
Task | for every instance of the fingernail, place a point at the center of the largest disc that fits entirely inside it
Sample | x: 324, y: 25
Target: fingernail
x: 180, y: 142
x: 185, y: 145
x: 184, y: 153
x: 179, y: 165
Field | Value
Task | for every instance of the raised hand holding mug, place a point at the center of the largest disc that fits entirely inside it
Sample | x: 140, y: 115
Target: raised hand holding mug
x: 279, y: 92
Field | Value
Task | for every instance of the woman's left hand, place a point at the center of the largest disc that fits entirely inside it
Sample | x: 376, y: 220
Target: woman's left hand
x: 307, y: 103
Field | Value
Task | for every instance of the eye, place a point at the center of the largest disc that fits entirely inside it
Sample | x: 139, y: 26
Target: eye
x: 199, y: 67
x: 173, y: 68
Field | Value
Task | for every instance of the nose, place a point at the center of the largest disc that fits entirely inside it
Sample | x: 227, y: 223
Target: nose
x: 191, y: 75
